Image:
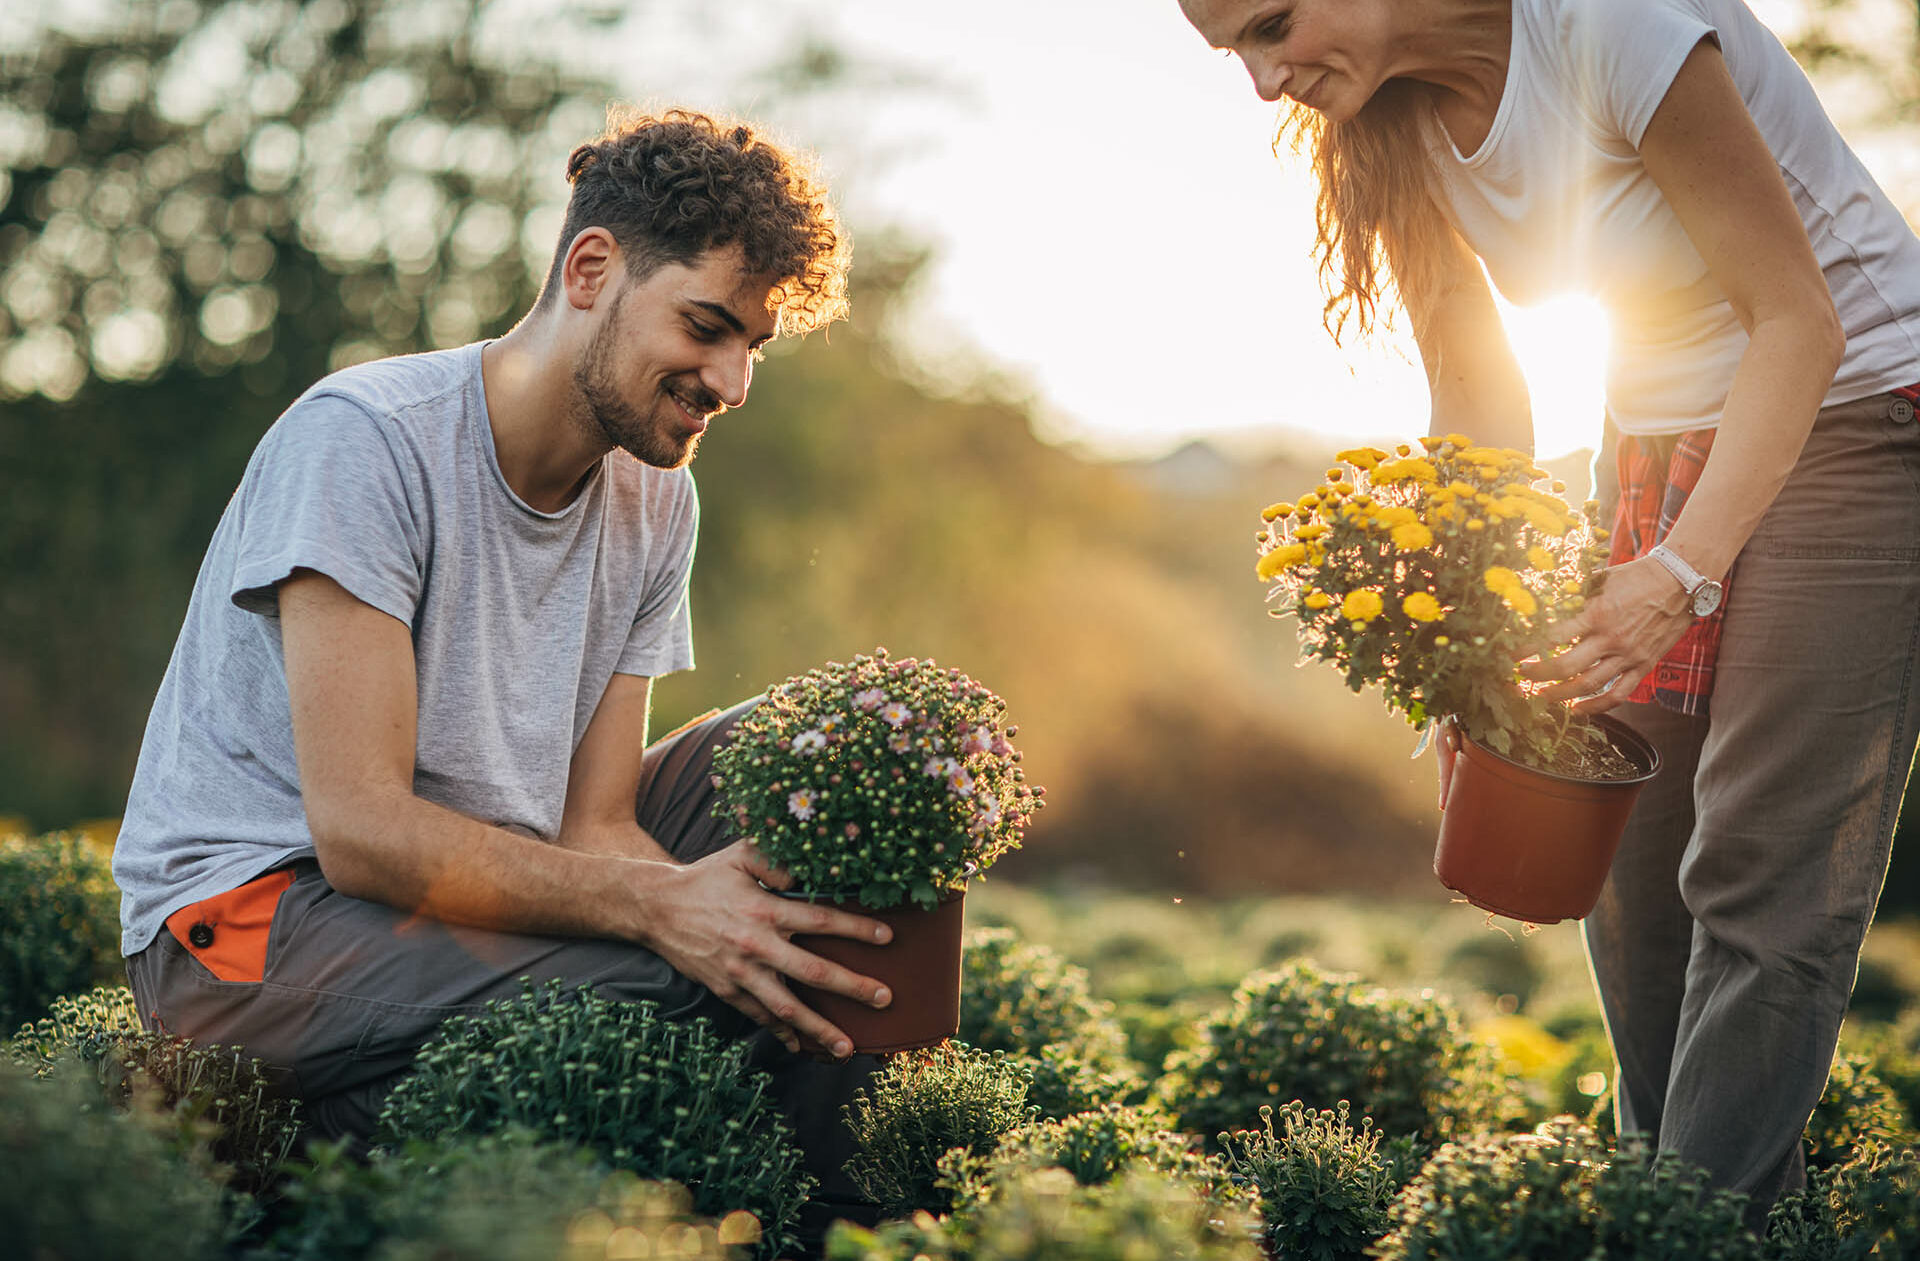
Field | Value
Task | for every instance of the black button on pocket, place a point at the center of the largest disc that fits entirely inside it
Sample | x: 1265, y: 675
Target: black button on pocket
x: 200, y: 936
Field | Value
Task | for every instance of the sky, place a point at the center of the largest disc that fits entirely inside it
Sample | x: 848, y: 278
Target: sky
x: 1116, y: 234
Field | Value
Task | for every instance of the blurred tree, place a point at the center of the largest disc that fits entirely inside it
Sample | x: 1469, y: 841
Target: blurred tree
x: 203, y: 209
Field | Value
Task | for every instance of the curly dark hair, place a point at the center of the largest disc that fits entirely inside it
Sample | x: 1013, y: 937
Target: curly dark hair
x: 673, y: 186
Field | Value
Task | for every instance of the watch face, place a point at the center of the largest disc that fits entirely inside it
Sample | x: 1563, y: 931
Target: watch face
x: 1706, y: 598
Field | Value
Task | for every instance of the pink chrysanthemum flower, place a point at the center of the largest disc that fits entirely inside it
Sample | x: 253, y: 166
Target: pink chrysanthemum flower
x: 894, y: 714
x: 800, y: 804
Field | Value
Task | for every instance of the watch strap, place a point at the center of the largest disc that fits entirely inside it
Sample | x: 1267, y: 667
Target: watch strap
x: 1686, y: 575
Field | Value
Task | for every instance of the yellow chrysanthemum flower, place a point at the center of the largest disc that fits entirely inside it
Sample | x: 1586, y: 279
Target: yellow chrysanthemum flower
x: 1307, y: 504
x: 1543, y: 560
x: 1441, y: 641
x: 1500, y: 579
x: 1546, y: 520
x: 1461, y: 489
x: 1343, y: 486
x: 1273, y: 512
x: 1460, y: 440
x: 1283, y: 557
x: 1403, y: 449
x: 1476, y: 525
x: 1362, y: 457
x: 1412, y: 536
x: 1361, y: 606
x: 1414, y: 469
x: 1311, y: 531
x: 1390, y: 515
x: 1317, y: 599
x: 1432, y: 443
x: 1335, y: 474
x: 1421, y: 607
x: 1520, y: 600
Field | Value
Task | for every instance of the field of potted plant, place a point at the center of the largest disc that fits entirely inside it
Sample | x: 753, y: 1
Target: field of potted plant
x: 1131, y: 1077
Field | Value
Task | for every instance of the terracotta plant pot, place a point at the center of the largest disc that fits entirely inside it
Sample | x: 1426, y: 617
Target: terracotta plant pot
x: 1530, y: 844
x: 921, y: 965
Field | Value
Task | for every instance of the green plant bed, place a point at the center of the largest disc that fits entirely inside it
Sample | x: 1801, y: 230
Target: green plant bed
x: 214, y: 1097
x: 670, y: 1101
x: 80, y: 1178
x: 61, y: 930
x: 1046, y: 1215
x: 1300, y: 1033
x: 922, y: 1105
x: 506, y: 1196
x: 1559, y: 1193
x: 1856, y: 1109
x: 1095, y: 1147
x: 1325, y: 1186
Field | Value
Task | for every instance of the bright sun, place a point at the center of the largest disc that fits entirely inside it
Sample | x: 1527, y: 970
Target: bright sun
x: 1562, y: 347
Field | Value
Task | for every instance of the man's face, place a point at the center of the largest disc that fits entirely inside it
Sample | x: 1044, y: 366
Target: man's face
x: 674, y: 350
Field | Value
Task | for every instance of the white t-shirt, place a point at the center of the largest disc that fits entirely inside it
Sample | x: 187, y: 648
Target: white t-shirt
x: 384, y: 478
x: 1556, y: 199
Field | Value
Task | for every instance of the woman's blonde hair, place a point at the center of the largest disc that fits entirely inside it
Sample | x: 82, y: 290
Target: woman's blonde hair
x: 1376, y: 221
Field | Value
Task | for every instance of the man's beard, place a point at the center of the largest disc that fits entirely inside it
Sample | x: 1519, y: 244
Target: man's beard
x: 604, y: 411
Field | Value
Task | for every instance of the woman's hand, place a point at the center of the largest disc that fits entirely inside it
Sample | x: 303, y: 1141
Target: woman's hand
x: 1627, y: 626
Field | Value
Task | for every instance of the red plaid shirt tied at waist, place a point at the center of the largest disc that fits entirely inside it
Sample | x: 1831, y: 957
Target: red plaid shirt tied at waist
x: 1655, y: 480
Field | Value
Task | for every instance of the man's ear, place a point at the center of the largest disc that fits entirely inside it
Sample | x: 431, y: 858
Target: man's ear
x: 592, y: 262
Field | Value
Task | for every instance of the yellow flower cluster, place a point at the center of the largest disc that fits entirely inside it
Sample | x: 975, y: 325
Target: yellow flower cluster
x: 1506, y: 584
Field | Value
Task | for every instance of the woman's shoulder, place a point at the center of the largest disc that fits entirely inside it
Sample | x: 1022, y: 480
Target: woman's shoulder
x: 1616, y: 58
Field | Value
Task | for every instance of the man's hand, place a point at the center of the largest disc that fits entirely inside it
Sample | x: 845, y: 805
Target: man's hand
x: 714, y: 922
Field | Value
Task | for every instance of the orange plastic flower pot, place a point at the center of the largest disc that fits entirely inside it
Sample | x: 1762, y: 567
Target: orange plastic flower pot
x: 1533, y: 845
x: 921, y: 965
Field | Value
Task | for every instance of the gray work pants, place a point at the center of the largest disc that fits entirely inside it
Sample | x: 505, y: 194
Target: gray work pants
x: 352, y: 989
x: 1727, y: 940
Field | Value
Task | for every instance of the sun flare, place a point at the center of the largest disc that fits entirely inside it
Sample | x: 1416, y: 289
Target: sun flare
x: 1562, y: 347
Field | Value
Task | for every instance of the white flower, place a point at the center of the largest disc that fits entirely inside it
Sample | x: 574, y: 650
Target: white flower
x: 900, y: 742
x: 894, y: 714
x: 870, y: 699
x: 939, y: 767
x: 975, y: 741
x: 800, y: 804
x: 809, y: 742
x: 958, y: 781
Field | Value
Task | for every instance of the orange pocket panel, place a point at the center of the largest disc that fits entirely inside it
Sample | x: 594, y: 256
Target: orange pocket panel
x: 228, y: 932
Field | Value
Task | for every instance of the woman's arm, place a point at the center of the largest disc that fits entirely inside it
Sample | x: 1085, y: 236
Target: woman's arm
x: 1473, y: 378
x: 1714, y: 168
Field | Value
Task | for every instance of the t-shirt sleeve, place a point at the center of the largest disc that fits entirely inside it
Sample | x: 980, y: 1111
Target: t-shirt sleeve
x: 1625, y: 54
x: 326, y: 492
x: 661, y: 640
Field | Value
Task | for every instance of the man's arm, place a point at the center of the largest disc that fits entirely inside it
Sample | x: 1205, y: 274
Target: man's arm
x: 604, y: 777
x: 354, y: 699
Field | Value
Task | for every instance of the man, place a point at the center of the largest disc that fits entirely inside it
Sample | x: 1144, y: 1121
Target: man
x: 399, y: 759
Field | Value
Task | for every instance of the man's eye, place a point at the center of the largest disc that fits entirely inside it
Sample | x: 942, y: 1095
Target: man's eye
x: 1277, y: 28
x: 705, y: 332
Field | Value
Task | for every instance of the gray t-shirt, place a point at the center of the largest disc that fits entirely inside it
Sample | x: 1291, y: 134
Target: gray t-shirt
x: 384, y: 478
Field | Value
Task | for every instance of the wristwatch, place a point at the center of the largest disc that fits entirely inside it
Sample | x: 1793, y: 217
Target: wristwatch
x: 1703, y: 593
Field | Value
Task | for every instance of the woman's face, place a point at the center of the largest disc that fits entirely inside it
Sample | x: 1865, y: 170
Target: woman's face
x: 1329, y: 55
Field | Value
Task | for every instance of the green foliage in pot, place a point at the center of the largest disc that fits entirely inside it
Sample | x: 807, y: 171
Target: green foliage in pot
x: 61, y: 931
x: 1325, y: 1186
x: 879, y: 781
x: 501, y: 1197
x: 1023, y: 998
x: 922, y: 1105
x: 1559, y: 1192
x: 1095, y: 1147
x: 1856, y: 1108
x: 215, y: 1097
x: 80, y: 1178
x: 669, y: 1100
x: 1319, y: 1037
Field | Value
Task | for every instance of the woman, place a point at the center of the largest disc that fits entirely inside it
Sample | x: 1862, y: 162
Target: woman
x: 1668, y: 156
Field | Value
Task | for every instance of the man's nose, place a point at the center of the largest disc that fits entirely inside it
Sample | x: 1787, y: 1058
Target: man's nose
x: 729, y: 378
